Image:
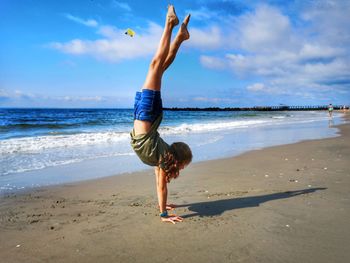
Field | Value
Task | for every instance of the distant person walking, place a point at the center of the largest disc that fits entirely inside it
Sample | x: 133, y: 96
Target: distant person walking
x: 330, y: 110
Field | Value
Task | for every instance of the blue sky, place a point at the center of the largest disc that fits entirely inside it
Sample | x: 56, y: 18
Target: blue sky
x: 241, y: 53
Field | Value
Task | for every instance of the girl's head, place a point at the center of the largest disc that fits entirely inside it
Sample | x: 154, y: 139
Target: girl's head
x: 182, y: 152
x: 177, y: 160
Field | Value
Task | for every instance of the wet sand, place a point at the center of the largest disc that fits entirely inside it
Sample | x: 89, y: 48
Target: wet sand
x: 288, y: 203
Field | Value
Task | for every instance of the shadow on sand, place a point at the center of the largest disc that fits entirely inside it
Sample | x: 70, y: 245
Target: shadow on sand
x: 214, y: 208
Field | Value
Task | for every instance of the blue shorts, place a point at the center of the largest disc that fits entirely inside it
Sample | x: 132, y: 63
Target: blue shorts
x: 148, y: 105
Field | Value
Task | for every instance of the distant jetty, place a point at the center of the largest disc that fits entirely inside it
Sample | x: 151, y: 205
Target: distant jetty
x: 262, y: 108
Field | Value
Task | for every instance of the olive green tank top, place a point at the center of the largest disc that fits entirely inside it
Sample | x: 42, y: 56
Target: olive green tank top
x: 150, y: 147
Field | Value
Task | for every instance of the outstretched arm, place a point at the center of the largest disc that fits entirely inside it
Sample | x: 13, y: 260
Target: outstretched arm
x: 162, y: 189
x: 162, y: 193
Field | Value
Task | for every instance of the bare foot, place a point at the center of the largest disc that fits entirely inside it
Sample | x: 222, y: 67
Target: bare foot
x: 171, y: 15
x: 187, y: 19
x: 183, y: 32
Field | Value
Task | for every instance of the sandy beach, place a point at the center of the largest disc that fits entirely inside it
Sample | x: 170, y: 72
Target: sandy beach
x: 287, y: 203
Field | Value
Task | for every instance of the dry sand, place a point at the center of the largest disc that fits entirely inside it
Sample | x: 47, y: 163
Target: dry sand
x: 288, y: 203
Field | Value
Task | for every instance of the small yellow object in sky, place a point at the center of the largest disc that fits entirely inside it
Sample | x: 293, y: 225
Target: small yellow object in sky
x: 129, y: 32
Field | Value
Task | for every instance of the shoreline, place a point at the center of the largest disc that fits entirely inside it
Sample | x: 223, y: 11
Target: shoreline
x: 205, y: 146
x: 148, y: 170
x: 286, y: 203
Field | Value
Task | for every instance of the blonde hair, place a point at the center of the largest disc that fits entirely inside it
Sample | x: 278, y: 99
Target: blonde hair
x: 180, y: 154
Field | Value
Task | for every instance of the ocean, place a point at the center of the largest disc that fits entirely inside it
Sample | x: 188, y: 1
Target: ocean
x: 40, y: 147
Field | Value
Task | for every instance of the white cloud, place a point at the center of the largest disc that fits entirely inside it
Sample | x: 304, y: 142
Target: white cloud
x: 256, y: 87
x: 318, y: 51
x: 264, y: 30
x: 207, y: 38
x: 201, y: 14
x: 212, y: 62
x: 122, y: 5
x: 79, y: 98
x: 75, y: 46
x: 88, y: 22
x: 19, y: 97
x: 274, y: 91
x: 19, y: 94
x: 15, y: 95
x: 111, y: 32
x: 290, y: 60
x: 115, y: 46
x: 330, y: 19
x: 3, y: 93
x: 213, y: 100
x: 288, y: 55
